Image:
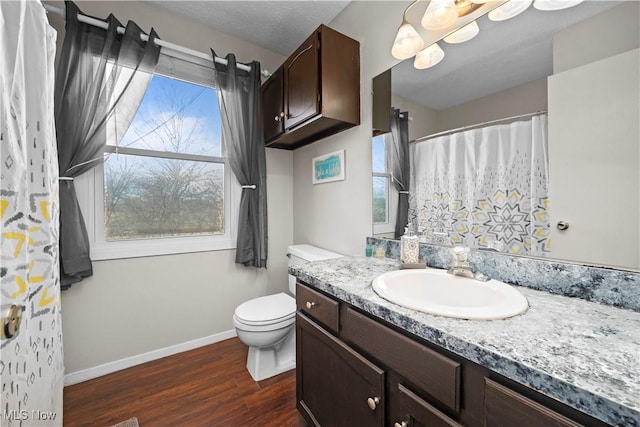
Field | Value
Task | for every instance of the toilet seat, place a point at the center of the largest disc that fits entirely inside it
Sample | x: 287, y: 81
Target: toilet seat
x: 270, y: 310
x: 239, y: 324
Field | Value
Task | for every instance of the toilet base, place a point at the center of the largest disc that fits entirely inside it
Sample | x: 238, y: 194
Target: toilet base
x: 266, y: 362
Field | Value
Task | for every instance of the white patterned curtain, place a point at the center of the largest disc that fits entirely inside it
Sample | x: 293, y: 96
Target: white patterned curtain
x: 484, y: 187
x: 31, y: 362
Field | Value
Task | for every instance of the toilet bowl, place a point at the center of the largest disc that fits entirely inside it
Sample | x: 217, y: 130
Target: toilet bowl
x: 267, y: 324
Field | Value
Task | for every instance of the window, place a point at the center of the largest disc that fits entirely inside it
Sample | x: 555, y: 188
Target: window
x: 167, y: 187
x: 385, y: 196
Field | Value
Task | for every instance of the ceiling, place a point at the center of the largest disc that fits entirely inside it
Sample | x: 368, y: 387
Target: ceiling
x: 280, y: 26
x: 502, y: 56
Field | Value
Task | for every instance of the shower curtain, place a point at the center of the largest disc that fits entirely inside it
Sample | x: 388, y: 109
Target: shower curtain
x: 31, y: 363
x: 484, y: 187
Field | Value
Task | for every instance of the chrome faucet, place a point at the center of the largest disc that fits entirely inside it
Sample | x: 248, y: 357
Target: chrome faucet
x: 460, y: 264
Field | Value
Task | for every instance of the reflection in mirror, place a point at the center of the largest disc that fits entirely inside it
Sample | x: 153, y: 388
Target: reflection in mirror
x: 485, y: 187
x: 581, y: 66
x: 384, y: 198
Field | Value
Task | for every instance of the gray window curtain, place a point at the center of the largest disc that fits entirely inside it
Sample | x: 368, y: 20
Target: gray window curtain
x: 398, y: 161
x: 100, y: 81
x: 242, y: 131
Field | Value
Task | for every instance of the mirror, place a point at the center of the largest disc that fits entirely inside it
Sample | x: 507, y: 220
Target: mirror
x: 579, y: 64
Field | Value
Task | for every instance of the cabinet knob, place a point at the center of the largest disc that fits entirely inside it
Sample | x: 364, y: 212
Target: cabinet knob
x: 276, y: 118
x: 373, y: 402
x: 310, y: 305
x: 562, y: 225
x: 402, y: 424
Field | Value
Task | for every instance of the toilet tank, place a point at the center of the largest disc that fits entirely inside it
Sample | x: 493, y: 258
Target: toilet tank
x: 300, y: 254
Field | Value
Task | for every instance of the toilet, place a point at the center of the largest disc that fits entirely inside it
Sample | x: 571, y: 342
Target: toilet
x: 267, y: 324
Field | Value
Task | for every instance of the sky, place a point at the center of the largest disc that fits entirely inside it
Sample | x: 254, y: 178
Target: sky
x: 174, y: 102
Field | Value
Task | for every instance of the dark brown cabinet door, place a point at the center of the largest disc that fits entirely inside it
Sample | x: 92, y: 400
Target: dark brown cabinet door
x: 416, y: 412
x: 507, y: 408
x: 273, y: 105
x: 302, y: 83
x: 335, y: 385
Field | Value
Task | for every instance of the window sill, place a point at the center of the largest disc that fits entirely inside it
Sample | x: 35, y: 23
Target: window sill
x: 384, y: 228
x: 143, y: 248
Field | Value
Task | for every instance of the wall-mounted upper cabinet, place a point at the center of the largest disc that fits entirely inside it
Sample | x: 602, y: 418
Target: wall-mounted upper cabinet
x: 381, y: 119
x: 316, y: 92
x: 273, y: 105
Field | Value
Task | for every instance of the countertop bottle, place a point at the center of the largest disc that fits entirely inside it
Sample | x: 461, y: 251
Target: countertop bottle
x: 409, y: 247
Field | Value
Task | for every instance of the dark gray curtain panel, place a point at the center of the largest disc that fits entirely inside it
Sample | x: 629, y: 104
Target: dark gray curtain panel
x: 242, y: 132
x: 100, y: 81
x: 398, y: 161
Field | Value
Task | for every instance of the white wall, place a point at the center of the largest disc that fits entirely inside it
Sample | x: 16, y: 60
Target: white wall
x: 422, y: 120
x: 527, y: 98
x: 134, y: 306
x: 337, y: 215
x: 594, y: 39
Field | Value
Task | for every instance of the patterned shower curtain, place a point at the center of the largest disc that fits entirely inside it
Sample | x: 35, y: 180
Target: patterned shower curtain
x: 484, y: 187
x: 31, y: 362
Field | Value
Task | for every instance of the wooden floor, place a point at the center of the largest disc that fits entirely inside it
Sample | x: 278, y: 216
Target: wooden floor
x: 208, y: 386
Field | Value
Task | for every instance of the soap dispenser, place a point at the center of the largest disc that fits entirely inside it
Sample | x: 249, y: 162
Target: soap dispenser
x: 409, y: 247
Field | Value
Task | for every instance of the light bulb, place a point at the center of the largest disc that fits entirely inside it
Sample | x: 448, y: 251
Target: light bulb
x: 407, y: 43
x: 509, y: 10
x: 440, y: 15
x: 555, y: 4
x: 464, y: 34
x: 428, y: 57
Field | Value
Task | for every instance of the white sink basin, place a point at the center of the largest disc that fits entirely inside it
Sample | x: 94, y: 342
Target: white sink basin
x: 437, y: 292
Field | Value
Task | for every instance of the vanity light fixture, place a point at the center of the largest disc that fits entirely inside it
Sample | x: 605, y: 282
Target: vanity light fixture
x: 509, y: 10
x: 440, y: 15
x: 408, y: 42
x: 547, y: 5
x: 428, y: 57
x: 443, y: 14
x: 464, y: 34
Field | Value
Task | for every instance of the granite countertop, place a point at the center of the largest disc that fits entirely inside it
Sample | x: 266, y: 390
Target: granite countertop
x: 584, y: 354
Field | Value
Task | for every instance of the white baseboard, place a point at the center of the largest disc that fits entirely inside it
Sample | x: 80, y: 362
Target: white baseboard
x: 108, y: 368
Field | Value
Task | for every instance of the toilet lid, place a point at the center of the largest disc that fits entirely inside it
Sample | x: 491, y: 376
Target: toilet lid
x: 268, y: 309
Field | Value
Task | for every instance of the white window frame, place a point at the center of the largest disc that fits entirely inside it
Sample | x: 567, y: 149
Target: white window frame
x: 90, y: 192
x: 389, y: 226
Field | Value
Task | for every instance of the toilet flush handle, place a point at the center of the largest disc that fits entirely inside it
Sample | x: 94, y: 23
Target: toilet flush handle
x: 310, y: 305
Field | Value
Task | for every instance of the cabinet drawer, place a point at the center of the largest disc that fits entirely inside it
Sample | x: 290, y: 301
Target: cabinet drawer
x: 432, y: 372
x: 318, y: 306
x: 417, y: 412
x: 505, y: 407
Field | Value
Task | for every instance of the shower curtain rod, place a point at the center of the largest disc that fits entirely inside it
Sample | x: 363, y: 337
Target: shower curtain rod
x: 101, y: 24
x: 490, y: 122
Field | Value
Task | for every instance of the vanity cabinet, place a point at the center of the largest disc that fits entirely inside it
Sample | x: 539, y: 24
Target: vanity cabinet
x: 335, y: 385
x: 316, y: 92
x: 356, y: 370
x: 416, y: 411
x: 504, y: 407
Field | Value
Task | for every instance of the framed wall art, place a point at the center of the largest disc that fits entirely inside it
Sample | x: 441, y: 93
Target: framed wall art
x: 328, y: 167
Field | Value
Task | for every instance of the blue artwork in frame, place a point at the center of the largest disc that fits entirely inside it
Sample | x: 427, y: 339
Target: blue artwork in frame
x: 328, y: 167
